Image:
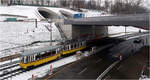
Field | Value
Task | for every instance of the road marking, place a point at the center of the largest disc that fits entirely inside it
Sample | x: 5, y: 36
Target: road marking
x: 119, y: 67
x: 108, y: 77
x: 137, y: 36
x: 107, y: 70
x: 64, y: 68
x: 82, y: 71
x: 98, y: 60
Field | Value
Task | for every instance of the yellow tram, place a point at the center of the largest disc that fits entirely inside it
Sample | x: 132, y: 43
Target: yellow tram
x: 39, y: 56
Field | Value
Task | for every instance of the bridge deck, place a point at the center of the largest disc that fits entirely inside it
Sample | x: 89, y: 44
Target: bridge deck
x: 137, y: 20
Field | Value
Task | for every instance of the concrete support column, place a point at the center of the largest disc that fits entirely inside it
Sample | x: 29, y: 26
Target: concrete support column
x: 0, y: 2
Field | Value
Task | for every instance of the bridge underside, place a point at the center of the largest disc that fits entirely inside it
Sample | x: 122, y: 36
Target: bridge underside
x: 77, y: 31
x: 139, y: 20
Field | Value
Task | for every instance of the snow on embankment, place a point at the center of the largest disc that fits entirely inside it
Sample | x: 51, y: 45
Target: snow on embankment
x: 18, y: 10
x: 22, y: 33
x: 15, y: 34
x: 32, y: 12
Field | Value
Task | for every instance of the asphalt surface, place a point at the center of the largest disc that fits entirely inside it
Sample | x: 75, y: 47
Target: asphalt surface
x: 131, y: 68
x: 128, y: 47
x: 87, y: 68
x: 94, y: 65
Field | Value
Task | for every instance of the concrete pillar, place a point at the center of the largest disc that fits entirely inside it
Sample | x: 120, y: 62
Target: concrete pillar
x: 81, y: 31
x: 89, y: 31
x: 0, y: 2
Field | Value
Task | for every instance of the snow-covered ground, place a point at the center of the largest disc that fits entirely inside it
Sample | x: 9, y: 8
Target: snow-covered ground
x: 30, y: 12
x: 13, y: 34
x: 114, y: 31
x: 43, y: 70
x: 93, y: 13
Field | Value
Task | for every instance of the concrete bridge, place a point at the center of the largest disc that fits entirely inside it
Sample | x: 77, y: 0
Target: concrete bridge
x: 136, y: 20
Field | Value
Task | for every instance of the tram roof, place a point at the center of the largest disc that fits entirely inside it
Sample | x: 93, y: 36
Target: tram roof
x: 71, y: 41
x: 39, y: 50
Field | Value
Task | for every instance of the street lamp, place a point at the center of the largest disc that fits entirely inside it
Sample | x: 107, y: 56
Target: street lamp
x: 50, y: 30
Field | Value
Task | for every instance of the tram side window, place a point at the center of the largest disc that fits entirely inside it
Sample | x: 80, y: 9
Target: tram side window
x: 75, y: 45
x: 37, y: 57
x: 71, y: 46
x: 53, y: 52
x: 27, y: 59
x: 32, y: 58
x: 22, y: 59
x: 56, y: 51
x: 81, y: 44
x: 65, y: 48
x: 68, y: 47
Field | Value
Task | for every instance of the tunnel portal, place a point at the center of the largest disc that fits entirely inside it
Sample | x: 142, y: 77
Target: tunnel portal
x: 47, y: 13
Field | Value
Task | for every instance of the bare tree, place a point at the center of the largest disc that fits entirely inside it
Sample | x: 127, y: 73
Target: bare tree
x: 128, y: 7
x: 107, y: 5
x: 91, y: 4
x: 42, y: 2
x: 78, y: 3
x: 37, y: 2
x: 64, y: 3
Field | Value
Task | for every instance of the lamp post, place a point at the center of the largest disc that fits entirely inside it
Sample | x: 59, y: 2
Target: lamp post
x: 125, y: 32
x: 35, y: 23
x: 50, y: 30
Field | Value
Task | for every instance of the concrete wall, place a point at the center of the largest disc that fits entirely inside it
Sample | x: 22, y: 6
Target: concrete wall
x: 67, y: 29
x: 0, y: 2
x: 89, y: 31
x: 74, y: 31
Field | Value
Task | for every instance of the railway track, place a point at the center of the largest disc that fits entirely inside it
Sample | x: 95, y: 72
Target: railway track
x: 11, y: 73
x: 10, y: 63
x: 132, y: 35
x: 9, y: 57
x: 8, y: 69
x: 11, y: 69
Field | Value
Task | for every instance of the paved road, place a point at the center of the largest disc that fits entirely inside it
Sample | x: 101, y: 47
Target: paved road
x: 87, y: 68
x: 93, y: 66
x: 130, y: 68
x: 129, y: 47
